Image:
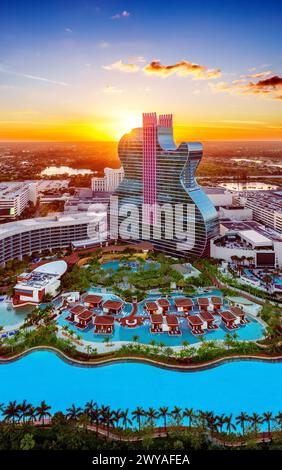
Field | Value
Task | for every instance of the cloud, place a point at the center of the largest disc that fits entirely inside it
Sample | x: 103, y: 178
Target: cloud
x: 33, y: 77
x: 112, y: 89
x: 266, y: 73
x: 123, y: 14
x: 122, y: 67
x: 182, y: 68
x: 270, y: 87
x: 68, y: 30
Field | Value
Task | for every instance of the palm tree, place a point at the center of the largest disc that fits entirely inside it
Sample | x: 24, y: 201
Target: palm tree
x: 95, y: 418
x: 135, y: 338
x: 163, y: 413
x: 185, y: 344
x: 189, y: 413
x: 73, y: 413
x: 107, y: 417
x: 125, y: 419
x: 267, y: 418
x: 24, y: 409
x: 90, y: 406
x: 278, y: 419
x: 256, y: 420
x: 229, y: 424
x: 212, y: 422
x: 176, y: 414
x: 241, y: 419
x: 137, y: 415
x: 31, y: 413
x: 43, y: 411
x: 118, y: 414
x: 221, y: 421
x: 151, y: 415
x: 11, y: 412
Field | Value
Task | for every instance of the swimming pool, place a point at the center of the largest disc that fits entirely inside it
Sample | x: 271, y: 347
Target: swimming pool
x: 254, y: 330
x: 133, y: 265
x: 233, y: 387
x: 10, y: 316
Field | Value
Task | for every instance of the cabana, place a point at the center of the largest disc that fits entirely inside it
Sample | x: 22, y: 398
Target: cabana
x: 208, y: 320
x: 173, y: 325
x: 230, y: 320
x: 112, y: 306
x: 83, y: 319
x: 103, y: 324
x: 163, y: 305
x: 93, y: 301
x: 238, y: 312
x: 151, y: 307
x: 75, y: 311
x: 217, y: 303
x: 182, y: 304
x: 156, y: 323
x: 196, y: 324
x: 203, y: 303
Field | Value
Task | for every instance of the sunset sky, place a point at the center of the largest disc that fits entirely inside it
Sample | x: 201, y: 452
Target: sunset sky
x: 86, y: 70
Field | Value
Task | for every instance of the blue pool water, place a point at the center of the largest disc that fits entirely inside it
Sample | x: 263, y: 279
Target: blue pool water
x: 232, y: 387
x: 10, y: 316
x: 133, y: 265
x: 252, y: 331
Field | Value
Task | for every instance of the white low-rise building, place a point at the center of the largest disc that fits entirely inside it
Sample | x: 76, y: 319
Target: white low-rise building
x: 14, y: 198
x: 250, y: 241
x: 31, y: 288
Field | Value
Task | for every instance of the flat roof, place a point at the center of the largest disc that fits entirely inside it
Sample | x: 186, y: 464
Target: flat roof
x: 255, y: 237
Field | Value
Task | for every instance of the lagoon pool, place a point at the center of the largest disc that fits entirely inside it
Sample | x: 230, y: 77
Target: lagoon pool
x: 252, y: 331
x: 10, y: 316
x: 233, y: 387
x: 133, y: 265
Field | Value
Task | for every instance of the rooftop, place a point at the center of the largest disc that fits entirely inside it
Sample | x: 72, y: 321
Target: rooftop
x: 238, y: 226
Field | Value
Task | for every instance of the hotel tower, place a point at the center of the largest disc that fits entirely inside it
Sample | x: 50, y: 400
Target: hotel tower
x: 159, y: 174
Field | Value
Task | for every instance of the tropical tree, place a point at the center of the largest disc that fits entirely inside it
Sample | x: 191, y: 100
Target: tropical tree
x: 256, y: 421
x: 125, y: 418
x: 189, y: 413
x: 43, y: 411
x: 152, y: 415
x: 241, y: 419
x: 163, y: 413
x: 137, y: 415
x: 176, y: 414
x: 229, y: 424
x: 11, y: 412
x: 268, y: 418
x: 73, y: 413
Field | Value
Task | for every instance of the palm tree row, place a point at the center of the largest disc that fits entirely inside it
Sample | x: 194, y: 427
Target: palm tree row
x: 96, y: 416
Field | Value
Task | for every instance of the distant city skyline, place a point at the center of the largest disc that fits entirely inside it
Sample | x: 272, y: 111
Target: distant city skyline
x: 86, y: 70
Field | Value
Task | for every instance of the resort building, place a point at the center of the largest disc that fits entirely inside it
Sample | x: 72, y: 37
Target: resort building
x: 112, y: 306
x: 250, y: 241
x: 32, y: 287
x: 109, y: 182
x: 159, y: 178
x: 266, y: 207
x: 51, y: 233
x: 183, y: 304
x: 103, y: 324
x: 14, y: 198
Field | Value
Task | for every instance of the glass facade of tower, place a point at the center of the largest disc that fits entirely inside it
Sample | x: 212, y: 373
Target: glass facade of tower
x: 156, y: 171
